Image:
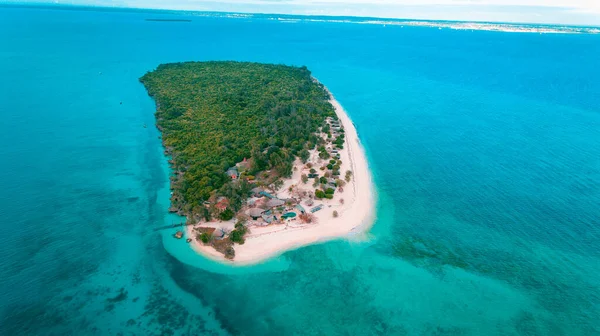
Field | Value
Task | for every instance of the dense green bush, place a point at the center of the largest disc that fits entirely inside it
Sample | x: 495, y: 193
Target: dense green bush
x: 205, y: 238
x: 226, y: 215
x: 214, y: 114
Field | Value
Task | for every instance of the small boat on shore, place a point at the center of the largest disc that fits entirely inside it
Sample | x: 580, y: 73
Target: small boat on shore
x: 188, y: 240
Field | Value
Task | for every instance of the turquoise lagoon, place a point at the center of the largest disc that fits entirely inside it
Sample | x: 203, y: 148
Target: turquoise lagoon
x: 484, y: 148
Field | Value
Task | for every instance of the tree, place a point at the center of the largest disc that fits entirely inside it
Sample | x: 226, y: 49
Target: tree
x: 312, y: 171
x: 319, y: 193
x: 241, y: 219
x: 304, y: 155
x: 335, y: 214
x: 277, y: 184
x: 330, y: 191
x: 226, y: 215
x: 237, y: 236
x: 324, y: 155
x: 273, y: 114
x: 204, y: 213
x: 307, y: 218
x: 348, y: 175
x: 229, y: 252
x: 316, y: 182
x: 205, y: 237
x: 304, y: 178
x: 340, y: 183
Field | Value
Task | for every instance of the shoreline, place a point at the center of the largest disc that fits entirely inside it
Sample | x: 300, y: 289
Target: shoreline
x: 356, y: 214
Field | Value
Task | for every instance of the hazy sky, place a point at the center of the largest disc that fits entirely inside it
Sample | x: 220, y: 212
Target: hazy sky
x: 585, y: 12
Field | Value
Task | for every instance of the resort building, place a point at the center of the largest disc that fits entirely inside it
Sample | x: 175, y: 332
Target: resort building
x: 256, y: 191
x: 255, y: 213
x: 268, y: 218
x: 222, y: 204
x: 317, y: 208
x: 273, y: 203
x: 218, y: 234
x: 266, y: 194
x: 233, y: 173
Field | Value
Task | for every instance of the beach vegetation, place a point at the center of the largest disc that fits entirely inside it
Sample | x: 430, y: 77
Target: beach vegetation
x: 335, y: 214
x: 304, y: 155
x: 205, y: 237
x: 226, y: 214
x: 229, y: 252
x: 319, y: 193
x: 307, y: 218
x: 213, y: 115
x: 237, y: 236
x: 304, y: 178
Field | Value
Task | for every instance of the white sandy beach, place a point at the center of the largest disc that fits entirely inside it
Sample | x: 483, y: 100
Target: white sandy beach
x: 355, y: 215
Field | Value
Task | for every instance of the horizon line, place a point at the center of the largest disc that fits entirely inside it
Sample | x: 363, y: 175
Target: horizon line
x: 66, y: 6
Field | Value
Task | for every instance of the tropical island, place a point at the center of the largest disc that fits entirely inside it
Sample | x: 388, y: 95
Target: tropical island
x: 263, y: 158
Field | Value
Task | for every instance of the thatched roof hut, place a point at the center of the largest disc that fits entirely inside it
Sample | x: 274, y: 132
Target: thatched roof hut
x: 255, y: 213
x: 275, y: 203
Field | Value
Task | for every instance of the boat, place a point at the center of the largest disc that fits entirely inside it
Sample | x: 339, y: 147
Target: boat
x: 188, y: 240
x: 145, y: 126
x: 178, y: 234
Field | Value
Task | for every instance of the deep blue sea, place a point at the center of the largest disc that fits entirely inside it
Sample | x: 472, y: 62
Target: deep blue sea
x: 484, y: 146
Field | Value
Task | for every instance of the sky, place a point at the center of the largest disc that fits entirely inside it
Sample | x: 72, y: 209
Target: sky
x: 578, y: 12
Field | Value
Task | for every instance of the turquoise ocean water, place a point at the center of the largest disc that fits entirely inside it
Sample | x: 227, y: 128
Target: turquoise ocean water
x: 484, y: 146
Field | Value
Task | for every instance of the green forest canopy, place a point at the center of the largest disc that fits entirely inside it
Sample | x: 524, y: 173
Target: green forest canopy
x: 214, y: 114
